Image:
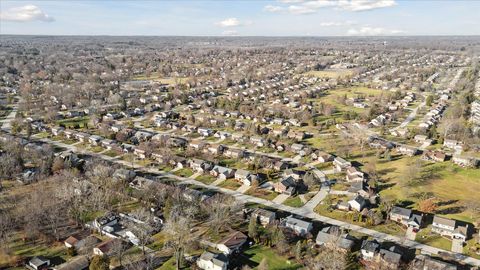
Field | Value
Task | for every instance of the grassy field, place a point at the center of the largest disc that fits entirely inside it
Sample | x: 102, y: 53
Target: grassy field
x: 329, y: 73
x: 448, y: 183
x: 294, y: 202
x: 255, y: 254
x: 164, y: 80
x: 334, y: 96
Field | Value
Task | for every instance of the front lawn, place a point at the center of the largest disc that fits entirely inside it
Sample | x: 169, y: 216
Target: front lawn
x: 206, y: 179
x: 294, y: 202
x: 261, y: 193
x: 255, y: 254
x: 185, y: 172
x: 425, y: 236
x: 230, y: 184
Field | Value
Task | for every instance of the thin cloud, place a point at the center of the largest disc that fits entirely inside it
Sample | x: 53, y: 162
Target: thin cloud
x: 363, y: 5
x: 25, y: 13
x: 301, y: 10
x: 233, y: 22
x: 273, y: 9
x: 312, y: 6
x: 332, y: 24
x: 372, y: 31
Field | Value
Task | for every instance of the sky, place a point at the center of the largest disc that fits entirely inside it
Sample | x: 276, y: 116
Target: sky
x: 240, y: 17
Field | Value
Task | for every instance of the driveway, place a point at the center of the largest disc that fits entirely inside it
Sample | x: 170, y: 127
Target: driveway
x: 280, y: 198
x: 310, y: 205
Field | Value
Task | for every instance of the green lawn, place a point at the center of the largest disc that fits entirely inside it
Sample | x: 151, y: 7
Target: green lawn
x: 69, y: 141
x: 329, y: 73
x: 425, y: 236
x: 73, y: 122
x: 230, y: 184
x: 96, y: 149
x: 206, y: 179
x: 446, y: 181
x: 184, y: 172
x: 294, y: 202
x: 20, y: 249
x: 112, y: 153
x: 255, y: 254
x: 262, y: 193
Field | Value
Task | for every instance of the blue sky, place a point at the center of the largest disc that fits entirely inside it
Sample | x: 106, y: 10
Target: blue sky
x: 241, y: 17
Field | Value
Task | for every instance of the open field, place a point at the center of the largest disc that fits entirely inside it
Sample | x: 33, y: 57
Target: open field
x: 159, y: 79
x: 329, y: 73
x: 447, y: 182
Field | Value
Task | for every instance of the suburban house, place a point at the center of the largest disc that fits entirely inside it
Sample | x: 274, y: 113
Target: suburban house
x: 408, y: 150
x: 450, y: 228
x: 205, y: 132
x: 423, y: 262
x: 389, y: 258
x: 406, y: 217
x: 56, y: 131
x: 420, y: 138
x: 280, y: 165
x: 140, y: 153
x: 235, y: 153
x: 369, y: 249
x: 95, y: 139
x: 300, y: 227
x: 435, y: 156
x: 245, y: 177
x: 322, y: 156
x: 199, y: 165
x: 107, y: 144
x: 265, y: 217
x: 222, y: 172
x: 357, y: 203
x: 341, y: 164
x: 450, y: 143
x: 38, y: 263
x: 465, y: 161
x: 107, y: 247
x: 232, y: 243
x: 287, y: 186
x: 197, y: 144
x: 212, y: 261
x: 334, y: 237
x: 296, y: 147
x: 354, y: 174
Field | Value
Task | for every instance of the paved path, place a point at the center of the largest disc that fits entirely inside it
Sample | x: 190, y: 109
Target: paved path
x: 305, y: 211
x: 280, y: 198
x: 328, y: 172
x: 310, y: 205
x: 243, y: 188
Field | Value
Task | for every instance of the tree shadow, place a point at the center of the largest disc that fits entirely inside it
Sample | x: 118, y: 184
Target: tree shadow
x: 451, y: 210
